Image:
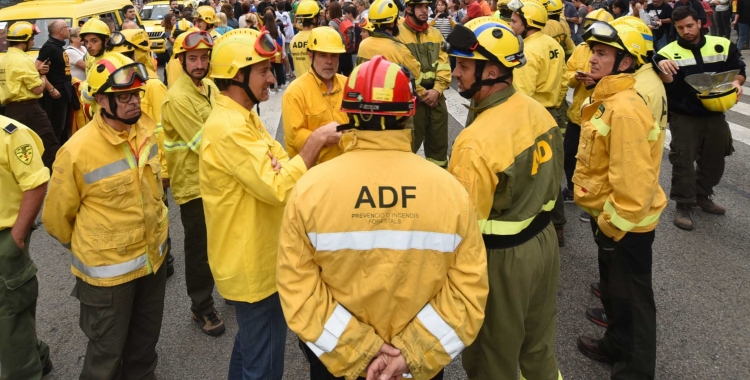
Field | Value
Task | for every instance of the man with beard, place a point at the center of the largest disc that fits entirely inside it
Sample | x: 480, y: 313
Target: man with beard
x: 513, y: 175
x: 431, y: 118
x: 314, y: 99
x: 105, y: 205
x: 185, y: 109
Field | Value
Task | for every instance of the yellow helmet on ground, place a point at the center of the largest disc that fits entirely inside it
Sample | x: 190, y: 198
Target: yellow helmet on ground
x: 116, y: 73
x: 554, y: 7
x: 307, y: 9
x: 720, y: 102
x: 94, y: 26
x: 620, y: 37
x: 21, y: 31
x: 192, y: 39
x: 383, y: 12
x: 238, y: 49
x: 532, y: 12
x: 596, y: 15
x: 637, y: 24
x: 487, y: 39
x: 325, y: 40
x: 207, y: 14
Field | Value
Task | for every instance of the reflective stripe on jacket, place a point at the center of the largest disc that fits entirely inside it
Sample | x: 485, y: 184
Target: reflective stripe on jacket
x: 540, y: 77
x: 426, y: 47
x: 104, y: 203
x: 618, y: 160
x: 380, y: 246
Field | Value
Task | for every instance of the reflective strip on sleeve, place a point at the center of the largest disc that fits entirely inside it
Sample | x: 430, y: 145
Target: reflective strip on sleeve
x: 502, y: 227
x: 447, y: 336
x: 170, y: 146
x: 654, y: 133
x: 153, y: 151
x: 109, y: 271
x: 600, y: 126
x: 686, y: 61
x: 385, y: 239
x: 332, y: 331
x: 163, y: 248
x: 427, y: 75
x: 106, y: 171
x: 624, y: 224
x: 195, y: 143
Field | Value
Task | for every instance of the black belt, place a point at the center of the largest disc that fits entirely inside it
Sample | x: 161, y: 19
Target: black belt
x: 537, y: 225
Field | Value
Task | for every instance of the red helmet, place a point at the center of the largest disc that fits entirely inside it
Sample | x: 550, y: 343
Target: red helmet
x: 379, y: 87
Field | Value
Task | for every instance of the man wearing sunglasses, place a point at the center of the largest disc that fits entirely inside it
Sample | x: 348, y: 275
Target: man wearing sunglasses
x: 105, y: 205
x: 507, y: 159
x: 185, y: 109
x: 245, y: 180
x: 617, y: 184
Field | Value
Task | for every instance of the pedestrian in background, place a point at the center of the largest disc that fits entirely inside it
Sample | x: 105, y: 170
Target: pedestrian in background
x: 228, y: 11
x: 76, y: 53
x: 742, y: 20
x: 722, y: 18
x: 56, y: 100
x: 223, y: 27
x: 277, y: 64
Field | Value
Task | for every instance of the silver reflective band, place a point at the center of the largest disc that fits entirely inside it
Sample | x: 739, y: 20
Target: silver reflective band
x: 715, y: 58
x: 441, y: 330
x: 106, y: 171
x: 153, y: 151
x: 109, y: 271
x: 332, y: 331
x: 162, y: 248
x: 385, y: 239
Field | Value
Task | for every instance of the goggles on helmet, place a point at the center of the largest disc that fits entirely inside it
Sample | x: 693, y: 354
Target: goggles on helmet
x: 603, y: 32
x: 505, y: 12
x: 118, y: 39
x: 515, y: 5
x: 125, y: 77
x: 193, y: 39
x: 463, y: 41
x: 265, y: 46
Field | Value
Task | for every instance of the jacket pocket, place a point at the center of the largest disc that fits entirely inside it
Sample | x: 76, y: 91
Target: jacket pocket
x: 120, y: 239
x: 586, y: 144
x: 23, y: 275
x: 97, y: 314
x: 586, y: 185
x: 117, y: 192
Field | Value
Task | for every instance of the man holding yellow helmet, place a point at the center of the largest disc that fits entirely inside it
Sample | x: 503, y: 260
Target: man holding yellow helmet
x: 245, y: 179
x: 616, y: 183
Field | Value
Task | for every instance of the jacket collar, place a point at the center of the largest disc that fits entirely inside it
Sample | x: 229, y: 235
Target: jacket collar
x: 644, y: 68
x: 611, y: 85
x: 312, y: 77
x: 184, y: 82
x: 56, y: 41
x: 493, y: 100
x: 376, y: 140
x: 688, y: 45
x: 251, y: 118
x: 114, y: 137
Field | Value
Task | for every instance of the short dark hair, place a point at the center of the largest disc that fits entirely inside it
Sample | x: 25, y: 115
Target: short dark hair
x: 307, y: 22
x: 681, y: 13
x: 126, y: 8
x: 351, y: 10
x: 334, y: 10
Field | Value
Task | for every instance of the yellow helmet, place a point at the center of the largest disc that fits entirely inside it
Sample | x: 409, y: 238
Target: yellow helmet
x: 554, y: 7
x: 207, y: 14
x: 94, y: 26
x: 129, y: 40
x: 531, y: 11
x: 183, y: 25
x: 620, y: 37
x: 487, y: 39
x: 596, y: 15
x: 238, y: 49
x: 383, y: 12
x: 21, y: 31
x: 366, y: 25
x: 190, y: 4
x: 637, y: 24
x: 325, y: 40
x: 116, y: 73
x: 720, y: 102
x: 307, y: 9
x: 198, y: 39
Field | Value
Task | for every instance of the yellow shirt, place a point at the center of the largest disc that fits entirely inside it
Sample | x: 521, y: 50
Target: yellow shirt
x: 151, y: 106
x: 21, y: 167
x: 540, y: 77
x: 579, y: 61
x: 18, y: 76
x: 243, y: 199
x: 299, y: 53
x: 307, y: 106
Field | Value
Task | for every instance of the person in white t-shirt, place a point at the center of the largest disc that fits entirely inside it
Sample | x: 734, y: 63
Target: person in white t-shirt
x: 76, y: 52
x: 287, y: 28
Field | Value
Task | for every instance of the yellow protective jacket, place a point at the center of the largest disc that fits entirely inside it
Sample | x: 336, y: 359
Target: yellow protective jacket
x: 366, y: 258
x: 619, y: 155
x: 512, y: 170
x: 540, y: 77
x: 307, y: 106
x: 298, y: 47
x: 104, y: 203
x: 172, y: 70
x: 649, y: 86
x: 560, y: 32
x: 184, y: 111
x: 18, y: 76
x: 151, y: 106
x: 579, y: 61
x: 392, y: 50
x: 243, y: 199
x: 426, y: 47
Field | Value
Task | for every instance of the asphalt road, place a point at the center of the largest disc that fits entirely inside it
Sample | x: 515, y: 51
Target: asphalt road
x: 700, y: 280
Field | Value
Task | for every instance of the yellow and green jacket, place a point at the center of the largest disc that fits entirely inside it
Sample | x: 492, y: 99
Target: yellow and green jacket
x: 156, y: 91
x: 619, y: 155
x: 540, y: 77
x: 366, y: 258
x: 579, y: 61
x: 426, y: 47
x: 512, y: 170
x: 392, y: 50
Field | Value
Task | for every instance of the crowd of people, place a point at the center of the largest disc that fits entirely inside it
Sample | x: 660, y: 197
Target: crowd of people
x: 384, y: 264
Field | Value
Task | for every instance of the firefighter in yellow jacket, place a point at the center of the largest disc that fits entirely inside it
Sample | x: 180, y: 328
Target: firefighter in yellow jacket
x: 559, y: 31
x: 307, y: 16
x: 431, y: 118
x: 185, y: 109
x: 95, y: 34
x: 357, y: 231
x: 617, y: 183
x: 245, y: 180
x: 205, y: 19
x: 513, y: 178
x: 313, y: 100
x: 105, y: 204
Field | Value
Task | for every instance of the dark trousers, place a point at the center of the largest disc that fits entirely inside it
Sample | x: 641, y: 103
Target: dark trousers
x: 570, y: 146
x: 280, y: 73
x: 723, y: 22
x: 697, y: 151
x: 345, y: 64
x: 123, y: 324
x: 431, y: 127
x: 58, y: 112
x: 22, y: 354
x: 31, y: 114
x: 318, y: 370
x: 259, y: 345
x: 628, y: 298
x: 198, y: 277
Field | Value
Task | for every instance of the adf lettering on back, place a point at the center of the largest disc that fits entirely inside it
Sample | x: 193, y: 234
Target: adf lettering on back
x: 542, y: 154
x: 387, y: 196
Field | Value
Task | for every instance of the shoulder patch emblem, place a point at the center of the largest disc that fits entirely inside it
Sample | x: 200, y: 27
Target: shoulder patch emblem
x: 10, y: 128
x: 599, y: 112
x: 24, y: 153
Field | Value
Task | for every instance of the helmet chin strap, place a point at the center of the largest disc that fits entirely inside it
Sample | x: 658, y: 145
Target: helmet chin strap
x: 113, y: 115
x: 479, y: 82
x: 245, y: 86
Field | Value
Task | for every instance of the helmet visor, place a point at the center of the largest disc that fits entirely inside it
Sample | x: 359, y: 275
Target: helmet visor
x: 265, y: 46
x: 515, y: 5
x: 125, y: 77
x: 195, y: 38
